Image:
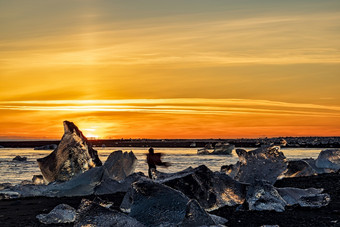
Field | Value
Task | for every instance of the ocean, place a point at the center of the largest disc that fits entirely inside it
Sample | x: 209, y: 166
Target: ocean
x: 15, y: 172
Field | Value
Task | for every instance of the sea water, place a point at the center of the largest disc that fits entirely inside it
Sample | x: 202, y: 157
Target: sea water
x: 15, y: 172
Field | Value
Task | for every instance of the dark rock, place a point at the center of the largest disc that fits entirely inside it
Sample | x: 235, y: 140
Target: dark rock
x: 74, y: 155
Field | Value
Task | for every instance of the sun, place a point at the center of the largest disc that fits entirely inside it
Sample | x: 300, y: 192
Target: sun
x: 88, y: 133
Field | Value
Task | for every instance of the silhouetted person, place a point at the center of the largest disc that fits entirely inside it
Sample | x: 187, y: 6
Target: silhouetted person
x: 154, y: 159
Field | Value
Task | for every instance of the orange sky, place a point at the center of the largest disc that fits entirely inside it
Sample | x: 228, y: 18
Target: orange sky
x: 175, y: 69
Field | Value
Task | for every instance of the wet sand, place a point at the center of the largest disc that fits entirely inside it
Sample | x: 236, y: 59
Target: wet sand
x: 22, y: 212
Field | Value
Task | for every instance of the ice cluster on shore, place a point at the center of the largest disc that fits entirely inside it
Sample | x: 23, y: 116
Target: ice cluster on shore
x: 177, y: 199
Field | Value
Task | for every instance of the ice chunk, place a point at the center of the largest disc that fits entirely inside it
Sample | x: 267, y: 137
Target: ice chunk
x: 263, y: 196
x: 161, y: 177
x: 312, y: 163
x: 83, y: 184
x: 196, y: 216
x: 298, y: 168
x: 310, y: 197
x: 38, y: 179
x: 156, y: 204
x: 211, y: 190
x: 224, y: 148
x: 329, y: 159
x: 265, y: 163
x: 119, y: 165
x: 20, y: 159
x: 47, y: 147
x: 73, y: 156
x: 110, y: 186
x: 92, y: 214
x: 62, y: 213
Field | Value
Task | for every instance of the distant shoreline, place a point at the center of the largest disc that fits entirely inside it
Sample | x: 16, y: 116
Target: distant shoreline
x: 293, y: 142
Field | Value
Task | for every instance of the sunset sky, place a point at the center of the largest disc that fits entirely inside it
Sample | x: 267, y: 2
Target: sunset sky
x: 169, y: 69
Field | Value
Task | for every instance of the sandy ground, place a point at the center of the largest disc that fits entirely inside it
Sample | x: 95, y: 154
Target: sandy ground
x: 22, y: 212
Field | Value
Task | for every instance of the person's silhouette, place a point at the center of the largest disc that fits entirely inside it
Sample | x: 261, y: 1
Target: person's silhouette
x: 154, y: 159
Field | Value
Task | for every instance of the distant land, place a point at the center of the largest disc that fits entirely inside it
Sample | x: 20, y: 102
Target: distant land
x: 311, y: 142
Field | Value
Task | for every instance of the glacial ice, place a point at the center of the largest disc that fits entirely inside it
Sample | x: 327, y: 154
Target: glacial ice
x: 96, y: 180
x: 19, y: 158
x: 62, y: 213
x: 92, y: 214
x: 83, y: 184
x: 73, y: 156
x: 38, y: 179
x: 47, y: 147
x: 310, y: 197
x: 119, y: 165
x: 329, y: 159
x: 265, y: 163
x: 110, y: 186
x: 264, y: 196
x: 211, y: 190
x: 154, y: 204
x: 223, y: 148
x: 298, y: 168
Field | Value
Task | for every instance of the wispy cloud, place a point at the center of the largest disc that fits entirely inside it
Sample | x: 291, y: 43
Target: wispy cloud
x: 177, y: 106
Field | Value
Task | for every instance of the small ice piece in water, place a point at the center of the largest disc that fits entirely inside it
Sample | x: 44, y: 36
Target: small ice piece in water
x: 329, y: 159
x: 47, y: 147
x: 20, y: 159
x: 62, y: 213
x: 223, y: 148
x: 92, y: 214
x: 264, y: 196
x: 120, y: 165
x: 265, y: 163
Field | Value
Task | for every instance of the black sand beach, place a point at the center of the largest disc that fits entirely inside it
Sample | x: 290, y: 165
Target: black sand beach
x: 22, y: 212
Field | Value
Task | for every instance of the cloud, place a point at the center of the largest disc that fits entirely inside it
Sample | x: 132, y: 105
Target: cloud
x: 177, y: 106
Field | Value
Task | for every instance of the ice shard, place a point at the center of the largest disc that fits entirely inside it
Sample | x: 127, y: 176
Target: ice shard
x: 119, y: 165
x: 211, y: 190
x: 155, y: 204
x: 310, y: 197
x: 73, y: 156
x: 223, y: 148
x: 329, y: 159
x: 92, y: 214
x: 265, y: 163
x: 298, y: 168
x: 110, y: 186
x: 61, y: 214
x: 83, y: 184
x: 264, y: 196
